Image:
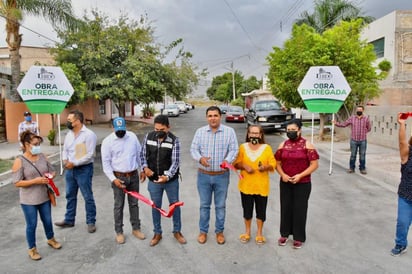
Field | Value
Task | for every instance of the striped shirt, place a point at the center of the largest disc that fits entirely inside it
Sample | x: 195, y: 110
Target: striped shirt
x: 220, y: 146
x: 360, y: 127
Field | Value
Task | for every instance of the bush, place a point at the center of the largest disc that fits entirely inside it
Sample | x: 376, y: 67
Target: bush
x: 385, y: 65
x: 52, y: 137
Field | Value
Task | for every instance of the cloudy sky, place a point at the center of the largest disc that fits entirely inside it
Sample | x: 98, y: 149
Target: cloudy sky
x: 217, y: 32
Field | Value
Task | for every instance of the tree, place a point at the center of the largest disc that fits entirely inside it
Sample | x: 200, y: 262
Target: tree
x: 338, y: 46
x: 328, y: 13
x: 57, y: 12
x: 119, y: 60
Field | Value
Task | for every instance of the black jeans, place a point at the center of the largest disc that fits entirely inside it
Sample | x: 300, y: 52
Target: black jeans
x: 293, y: 209
x: 132, y: 184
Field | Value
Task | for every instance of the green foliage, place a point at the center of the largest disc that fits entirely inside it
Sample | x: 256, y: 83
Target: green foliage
x: 338, y: 46
x: 238, y: 102
x: 385, y: 65
x: 328, y: 13
x: 222, y: 86
x: 52, y: 137
x: 119, y: 60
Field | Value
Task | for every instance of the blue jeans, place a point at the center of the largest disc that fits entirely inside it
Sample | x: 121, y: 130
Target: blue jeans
x: 403, y: 222
x: 30, y: 214
x: 156, y: 195
x: 354, y: 147
x: 80, y: 177
x: 132, y: 184
x: 207, y: 185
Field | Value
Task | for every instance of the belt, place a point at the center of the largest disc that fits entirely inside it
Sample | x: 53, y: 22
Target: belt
x: 212, y: 172
x: 125, y: 174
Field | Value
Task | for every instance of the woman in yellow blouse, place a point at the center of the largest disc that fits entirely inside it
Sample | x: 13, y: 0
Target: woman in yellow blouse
x: 255, y: 160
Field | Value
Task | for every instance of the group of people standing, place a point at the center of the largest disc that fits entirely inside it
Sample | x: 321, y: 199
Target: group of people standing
x: 126, y: 162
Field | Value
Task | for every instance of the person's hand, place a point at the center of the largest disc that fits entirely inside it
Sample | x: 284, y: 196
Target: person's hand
x: 68, y: 165
x: 148, y: 172
x: 119, y: 183
x: 401, y: 121
x: 204, y: 161
x: 285, y: 178
x: 295, y: 178
x: 41, y: 180
x: 162, y: 179
x: 142, y: 176
x: 262, y: 168
x: 334, y: 122
x: 248, y: 169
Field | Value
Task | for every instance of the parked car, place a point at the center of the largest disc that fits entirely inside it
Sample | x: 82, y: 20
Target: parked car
x: 223, y: 108
x: 304, y: 114
x: 171, y: 110
x: 269, y: 114
x: 182, y: 106
x: 235, y: 114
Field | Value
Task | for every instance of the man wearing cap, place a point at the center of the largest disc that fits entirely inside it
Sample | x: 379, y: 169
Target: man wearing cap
x: 160, y: 159
x: 27, y: 124
x: 121, y: 164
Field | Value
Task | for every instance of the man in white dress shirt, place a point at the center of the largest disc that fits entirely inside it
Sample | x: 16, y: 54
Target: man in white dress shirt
x: 121, y: 164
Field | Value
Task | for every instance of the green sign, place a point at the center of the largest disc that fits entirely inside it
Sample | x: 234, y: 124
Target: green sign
x: 45, y: 89
x: 324, y: 89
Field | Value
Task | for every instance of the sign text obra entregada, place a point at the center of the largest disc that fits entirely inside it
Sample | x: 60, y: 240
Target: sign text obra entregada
x: 324, y: 89
x: 45, y: 89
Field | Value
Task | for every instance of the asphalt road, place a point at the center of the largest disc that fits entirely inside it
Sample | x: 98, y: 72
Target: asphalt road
x: 350, y: 228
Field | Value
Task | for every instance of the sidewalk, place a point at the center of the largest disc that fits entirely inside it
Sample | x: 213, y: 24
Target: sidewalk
x: 382, y: 163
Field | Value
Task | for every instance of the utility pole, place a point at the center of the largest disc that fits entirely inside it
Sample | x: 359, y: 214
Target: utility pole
x: 233, y: 82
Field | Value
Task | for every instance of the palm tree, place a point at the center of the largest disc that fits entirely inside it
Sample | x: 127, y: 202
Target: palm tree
x: 328, y: 13
x: 57, y: 12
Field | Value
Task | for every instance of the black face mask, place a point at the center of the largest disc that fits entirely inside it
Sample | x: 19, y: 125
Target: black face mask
x: 359, y: 113
x: 120, y: 133
x: 160, y: 134
x: 292, y: 135
x: 254, y: 140
x: 69, y: 125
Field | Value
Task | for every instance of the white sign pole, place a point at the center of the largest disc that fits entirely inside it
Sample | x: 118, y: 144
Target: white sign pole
x: 313, y: 126
x: 331, y: 144
x: 60, y: 145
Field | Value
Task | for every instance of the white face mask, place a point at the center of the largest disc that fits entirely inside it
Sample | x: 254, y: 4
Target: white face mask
x: 35, y: 150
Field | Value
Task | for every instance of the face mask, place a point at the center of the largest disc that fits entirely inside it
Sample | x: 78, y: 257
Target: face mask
x: 120, y: 133
x: 160, y: 134
x: 69, y: 125
x: 254, y: 140
x: 292, y: 135
x: 27, y: 118
x: 35, y: 150
x: 359, y: 113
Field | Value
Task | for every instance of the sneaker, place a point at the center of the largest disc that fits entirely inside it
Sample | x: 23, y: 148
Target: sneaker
x: 350, y: 171
x: 282, y: 241
x: 398, y: 250
x: 91, y: 228
x: 120, y: 238
x: 34, y: 255
x: 297, y: 244
x: 53, y: 243
x: 363, y: 171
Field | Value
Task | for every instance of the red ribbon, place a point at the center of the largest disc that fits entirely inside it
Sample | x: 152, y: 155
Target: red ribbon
x: 52, y: 184
x: 229, y: 166
x: 142, y: 198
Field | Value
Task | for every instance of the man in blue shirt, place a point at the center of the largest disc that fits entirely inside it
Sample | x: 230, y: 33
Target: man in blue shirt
x: 121, y: 164
x: 213, y: 145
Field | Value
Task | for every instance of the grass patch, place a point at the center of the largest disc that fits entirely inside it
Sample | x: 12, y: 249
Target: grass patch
x: 5, y: 165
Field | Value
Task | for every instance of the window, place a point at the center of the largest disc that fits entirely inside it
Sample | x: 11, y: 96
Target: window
x: 379, y: 47
x: 102, y: 107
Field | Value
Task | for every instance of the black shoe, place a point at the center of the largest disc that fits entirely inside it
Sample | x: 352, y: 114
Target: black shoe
x: 63, y: 224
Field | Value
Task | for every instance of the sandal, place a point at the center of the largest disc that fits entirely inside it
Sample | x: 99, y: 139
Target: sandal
x: 244, y: 238
x: 260, y: 240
